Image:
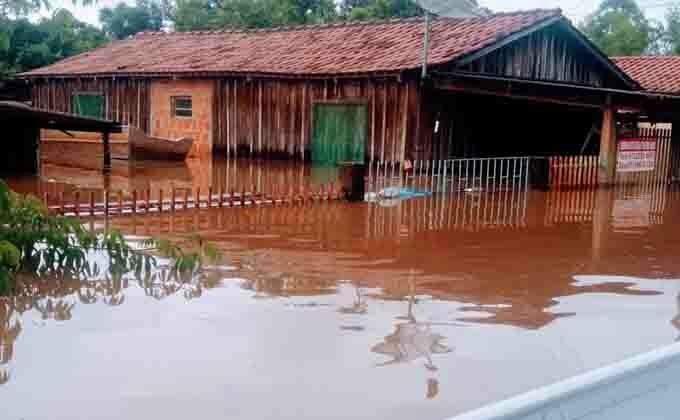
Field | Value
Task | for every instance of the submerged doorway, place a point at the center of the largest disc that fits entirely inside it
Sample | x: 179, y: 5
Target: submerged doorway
x: 339, y: 132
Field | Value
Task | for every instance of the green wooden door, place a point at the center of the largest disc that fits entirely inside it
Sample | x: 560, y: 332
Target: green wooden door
x: 88, y: 105
x: 339, y: 133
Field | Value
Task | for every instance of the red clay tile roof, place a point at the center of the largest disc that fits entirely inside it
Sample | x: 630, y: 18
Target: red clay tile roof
x: 348, y: 48
x: 659, y: 74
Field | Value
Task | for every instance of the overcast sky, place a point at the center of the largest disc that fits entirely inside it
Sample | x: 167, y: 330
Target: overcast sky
x: 574, y: 9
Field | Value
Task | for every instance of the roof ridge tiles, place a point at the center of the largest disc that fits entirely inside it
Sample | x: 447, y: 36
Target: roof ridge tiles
x: 340, y: 24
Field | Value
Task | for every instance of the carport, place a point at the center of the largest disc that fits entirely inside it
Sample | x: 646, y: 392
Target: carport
x: 21, y: 126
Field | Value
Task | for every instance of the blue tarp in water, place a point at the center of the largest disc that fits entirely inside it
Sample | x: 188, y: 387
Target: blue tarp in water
x: 397, y: 194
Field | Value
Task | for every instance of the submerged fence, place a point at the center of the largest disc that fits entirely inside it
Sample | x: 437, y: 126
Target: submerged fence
x: 451, y: 175
x: 96, y: 203
x: 573, y: 171
x: 582, y: 171
x: 632, y: 205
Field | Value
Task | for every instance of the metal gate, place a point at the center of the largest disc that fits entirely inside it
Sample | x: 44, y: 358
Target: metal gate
x: 451, y: 175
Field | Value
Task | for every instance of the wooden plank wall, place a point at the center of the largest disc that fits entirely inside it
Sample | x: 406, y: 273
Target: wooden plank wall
x: 550, y: 54
x: 127, y: 100
x: 267, y: 117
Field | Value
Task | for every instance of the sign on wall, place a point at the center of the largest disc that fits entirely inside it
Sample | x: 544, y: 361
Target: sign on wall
x: 636, y: 155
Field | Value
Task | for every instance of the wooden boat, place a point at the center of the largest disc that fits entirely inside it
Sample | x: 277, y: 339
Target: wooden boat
x: 131, y: 144
x: 143, y: 146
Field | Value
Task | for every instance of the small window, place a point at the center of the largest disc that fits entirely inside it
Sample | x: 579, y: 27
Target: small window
x: 88, y: 104
x: 181, y: 106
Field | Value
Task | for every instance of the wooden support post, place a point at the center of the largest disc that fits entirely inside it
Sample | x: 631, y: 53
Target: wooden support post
x: 76, y: 201
x: 91, y: 203
x: 675, y: 151
x: 120, y: 202
x: 197, y: 202
x: 134, y: 201
x: 210, y: 200
x: 107, y: 152
x: 160, y: 200
x: 607, y: 164
x: 173, y: 199
x: 602, y: 213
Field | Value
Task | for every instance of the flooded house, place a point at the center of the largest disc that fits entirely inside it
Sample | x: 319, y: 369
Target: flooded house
x: 511, y: 84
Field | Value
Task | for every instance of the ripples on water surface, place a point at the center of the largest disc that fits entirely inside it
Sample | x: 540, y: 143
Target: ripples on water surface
x: 422, y: 310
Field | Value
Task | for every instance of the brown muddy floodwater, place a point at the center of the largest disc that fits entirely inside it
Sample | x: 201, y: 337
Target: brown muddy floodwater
x: 418, y: 311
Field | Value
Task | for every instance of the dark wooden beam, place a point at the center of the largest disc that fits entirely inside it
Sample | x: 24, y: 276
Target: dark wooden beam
x: 107, y: 151
x: 508, y: 93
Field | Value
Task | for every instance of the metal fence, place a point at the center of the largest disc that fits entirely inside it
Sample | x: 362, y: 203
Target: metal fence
x: 573, y: 171
x: 451, y: 175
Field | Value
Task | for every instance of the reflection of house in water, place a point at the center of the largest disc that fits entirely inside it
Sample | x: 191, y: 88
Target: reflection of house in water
x: 464, y: 211
x: 512, y: 274
x: 126, y: 177
x: 272, y: 275
x: 632, y: 206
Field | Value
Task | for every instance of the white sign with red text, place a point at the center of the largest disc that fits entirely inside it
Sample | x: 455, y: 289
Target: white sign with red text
x: 636, y: 155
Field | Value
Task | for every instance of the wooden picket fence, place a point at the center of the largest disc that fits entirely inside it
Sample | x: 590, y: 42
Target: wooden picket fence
x: 103, y: 203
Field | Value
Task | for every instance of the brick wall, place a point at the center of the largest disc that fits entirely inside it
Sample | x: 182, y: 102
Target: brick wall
x: 198, y: 127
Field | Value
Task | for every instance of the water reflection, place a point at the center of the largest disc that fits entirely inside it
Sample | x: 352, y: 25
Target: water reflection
x: 413, y: 340
x: 265, y: 176
x: 56, y: 299
x: 504, y: 273
x: 676, y: 320
x: 358, y: 307
x: 339, y: 283
x: 10, y: 328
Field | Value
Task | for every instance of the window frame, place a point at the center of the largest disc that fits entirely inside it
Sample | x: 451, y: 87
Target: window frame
x: 174, y: 108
